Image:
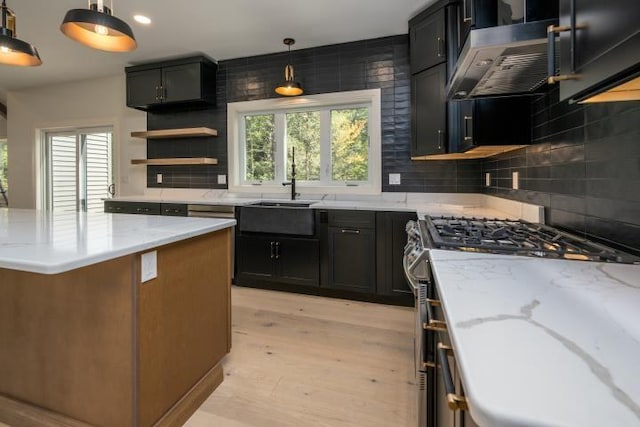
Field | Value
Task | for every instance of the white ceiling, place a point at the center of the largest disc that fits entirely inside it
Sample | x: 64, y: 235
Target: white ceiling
x: 221, y: 29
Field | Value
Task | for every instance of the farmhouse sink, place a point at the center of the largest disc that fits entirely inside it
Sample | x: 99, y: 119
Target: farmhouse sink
x: 286, y: 217
x: 292, y: 204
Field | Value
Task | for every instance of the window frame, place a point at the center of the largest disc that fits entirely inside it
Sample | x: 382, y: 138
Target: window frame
x: 236, y: 111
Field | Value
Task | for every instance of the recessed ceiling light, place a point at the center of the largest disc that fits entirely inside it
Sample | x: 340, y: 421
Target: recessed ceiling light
x: 142, y: 19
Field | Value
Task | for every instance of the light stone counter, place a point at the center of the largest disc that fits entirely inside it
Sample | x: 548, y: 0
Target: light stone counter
x: 54, y: 242
x: 543, y: 342
x: 478, y: 205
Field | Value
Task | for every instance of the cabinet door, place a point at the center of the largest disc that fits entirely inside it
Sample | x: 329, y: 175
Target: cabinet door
x: 181, y: 83
x: 391, y: 239
x: 255, y: 258
x: 429, y: 111
x: 428, y: 42
x: 143, y: 87
x: 352, y: 257
x: 298, y: 261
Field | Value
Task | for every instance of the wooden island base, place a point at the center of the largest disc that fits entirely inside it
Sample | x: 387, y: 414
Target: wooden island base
x: 95, y: 346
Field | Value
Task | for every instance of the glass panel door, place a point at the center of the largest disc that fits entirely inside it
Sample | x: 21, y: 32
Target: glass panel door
x: 79, y: 169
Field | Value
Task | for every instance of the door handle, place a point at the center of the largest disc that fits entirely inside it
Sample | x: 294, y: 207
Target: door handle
x: 432, y: 324
x: 552, y: 30
x: 454, y: 401
x: 466, y: 18
x: 440, y: 139
x: 440, y: 52
x: 277, y: 250
x: 157, y: 93
x: 349, y: 231
x: 467, y: 119
x: 273, y: 251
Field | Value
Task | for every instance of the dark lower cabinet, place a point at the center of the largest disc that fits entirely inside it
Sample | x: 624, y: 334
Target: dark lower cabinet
x: 352, y: 253
x: 277, y: 259
x: 349, y: 246
x: 145, y: 208
x: 391, y: 240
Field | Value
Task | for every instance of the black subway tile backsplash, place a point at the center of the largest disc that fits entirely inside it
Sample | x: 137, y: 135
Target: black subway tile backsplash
x: 584, y: 167
x: 379, y: 63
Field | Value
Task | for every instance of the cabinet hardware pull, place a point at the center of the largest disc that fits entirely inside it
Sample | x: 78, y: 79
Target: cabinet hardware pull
x: 467, y: 119
x: 273, y: 253
x: 440, y: 47
x: 465, y: 18
x: 552, y: 30
x: 163, y: 93
x: 440, y: 139
x: 157, y: 93
x: 454, y: 401
x: 433, y: 324
x: 348, y: 231
x: 277, y: 250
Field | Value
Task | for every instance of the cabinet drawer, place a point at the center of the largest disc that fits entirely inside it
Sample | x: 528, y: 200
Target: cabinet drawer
x: 174, y: 209
x: 352, y: 219
x: 132, y: 207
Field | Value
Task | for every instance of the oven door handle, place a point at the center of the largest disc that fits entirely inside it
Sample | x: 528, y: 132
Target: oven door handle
x: 433, y: 324
x: 455, y: 402
x: 412, y: 282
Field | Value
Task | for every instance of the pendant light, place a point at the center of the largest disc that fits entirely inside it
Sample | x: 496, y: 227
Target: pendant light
x: 289, y: 87
x: 97, y: 28
x: 14, y: 51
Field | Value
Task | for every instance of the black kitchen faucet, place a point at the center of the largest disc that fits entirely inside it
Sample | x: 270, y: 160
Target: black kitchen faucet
x: 292, y: 183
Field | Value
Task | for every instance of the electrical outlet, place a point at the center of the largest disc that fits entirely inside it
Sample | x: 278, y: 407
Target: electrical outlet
x: 222, y: 179
x: 515, y: 180
x: 148, y: 266
x: 394, y: 179
x: 159, y: 178
x: 487, y: 179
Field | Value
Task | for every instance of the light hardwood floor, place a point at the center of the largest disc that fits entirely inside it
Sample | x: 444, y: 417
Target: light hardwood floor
x: 303, y: 361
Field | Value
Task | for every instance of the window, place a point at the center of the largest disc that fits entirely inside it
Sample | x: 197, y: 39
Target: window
x: 78, y: 169
x: 4, y: 170
x: 335, y: 138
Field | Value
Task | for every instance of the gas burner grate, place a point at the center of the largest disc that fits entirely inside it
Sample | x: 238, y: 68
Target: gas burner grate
x: 516, y: 237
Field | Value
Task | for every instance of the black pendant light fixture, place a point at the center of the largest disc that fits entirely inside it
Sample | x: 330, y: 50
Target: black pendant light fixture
x: 290, y: 87
x: 97, y: 28
x: 14, y: 51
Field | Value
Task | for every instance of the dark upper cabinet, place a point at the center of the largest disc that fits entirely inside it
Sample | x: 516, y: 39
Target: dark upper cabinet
x: 492, y: 121
x: 429, y: 111
x: 188, y: 81
x: 428, y: 43
x: 606, y: 39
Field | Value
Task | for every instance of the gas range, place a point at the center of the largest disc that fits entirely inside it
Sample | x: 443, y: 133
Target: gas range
x: 517, y: 237
x: 499, y: 236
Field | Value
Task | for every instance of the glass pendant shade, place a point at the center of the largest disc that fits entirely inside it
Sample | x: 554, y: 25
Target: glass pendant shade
x: 97, y: 28
x: 290, y: 87
x: 14, y: 51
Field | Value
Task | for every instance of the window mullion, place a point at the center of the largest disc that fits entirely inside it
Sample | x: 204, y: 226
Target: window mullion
x: 325, y: 146
x: 280, y: 154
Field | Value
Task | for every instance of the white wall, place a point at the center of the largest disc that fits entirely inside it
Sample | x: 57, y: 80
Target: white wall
x: 95, y: 102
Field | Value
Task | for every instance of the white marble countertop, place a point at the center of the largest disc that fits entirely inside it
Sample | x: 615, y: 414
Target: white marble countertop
x: 543, y: 342
x: 478, y: 205
x: 54, y: 242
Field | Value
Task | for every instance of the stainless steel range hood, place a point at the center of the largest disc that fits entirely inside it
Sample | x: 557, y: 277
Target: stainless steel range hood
x: 501, y: 61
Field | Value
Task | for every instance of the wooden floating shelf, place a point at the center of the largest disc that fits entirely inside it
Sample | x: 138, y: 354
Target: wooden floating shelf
x: 176, y: 161
x: 175, y: 133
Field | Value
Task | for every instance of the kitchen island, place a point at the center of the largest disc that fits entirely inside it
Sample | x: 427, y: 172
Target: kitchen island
x: 108, y: 319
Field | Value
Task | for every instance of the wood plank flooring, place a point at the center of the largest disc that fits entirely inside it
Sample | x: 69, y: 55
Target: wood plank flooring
x: 305, y: 361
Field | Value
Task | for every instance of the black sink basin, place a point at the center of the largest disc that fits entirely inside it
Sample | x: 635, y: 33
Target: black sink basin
x: 291, y: 204
x: 286, y: 217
